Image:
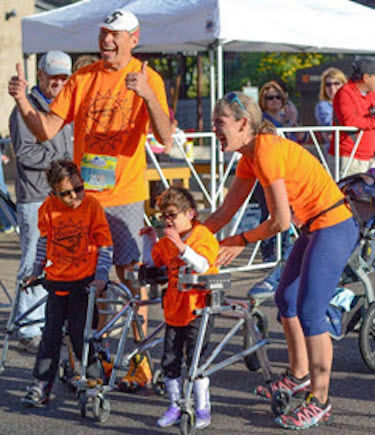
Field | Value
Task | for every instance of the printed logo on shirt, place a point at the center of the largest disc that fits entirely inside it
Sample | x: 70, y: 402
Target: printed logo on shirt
x: 107, y: 120
x: 70, y: 243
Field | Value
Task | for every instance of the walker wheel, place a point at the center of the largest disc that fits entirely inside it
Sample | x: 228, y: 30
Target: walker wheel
x: 101, y: 408
x: 280, y: 402
x: 261, y: 326
x: 367, y: 337
x: 82, y: 401
x: 188, y: 423
x: 158, y: 382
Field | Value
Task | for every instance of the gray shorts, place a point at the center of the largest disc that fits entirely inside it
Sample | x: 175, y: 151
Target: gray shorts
x: 125, y: 222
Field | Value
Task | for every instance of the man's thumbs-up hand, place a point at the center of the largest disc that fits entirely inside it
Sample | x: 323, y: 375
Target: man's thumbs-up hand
x: 17, y: 84
x: 137, y: 82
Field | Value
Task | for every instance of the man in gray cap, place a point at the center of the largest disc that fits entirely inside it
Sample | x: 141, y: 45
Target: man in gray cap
x: 33, y: 157
x: 354, y: 106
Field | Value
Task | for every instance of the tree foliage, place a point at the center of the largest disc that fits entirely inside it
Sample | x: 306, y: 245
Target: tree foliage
x: 259, y: 68
x: 239, y: 69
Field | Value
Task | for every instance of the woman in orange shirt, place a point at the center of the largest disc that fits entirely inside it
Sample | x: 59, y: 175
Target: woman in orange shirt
x: 292, y: 179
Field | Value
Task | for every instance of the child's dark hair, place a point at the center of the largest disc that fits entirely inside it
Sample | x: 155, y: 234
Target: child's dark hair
x: 179, y: 197
x: 61, y: 169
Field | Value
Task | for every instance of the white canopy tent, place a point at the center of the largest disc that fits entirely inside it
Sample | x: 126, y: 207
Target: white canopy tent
x: 172, y: 26
x: 201, y: 25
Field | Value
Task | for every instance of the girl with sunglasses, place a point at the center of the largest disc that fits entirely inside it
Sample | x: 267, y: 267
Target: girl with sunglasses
x: 75, y: 250
x: 292, y: 179
x: 186, y: 242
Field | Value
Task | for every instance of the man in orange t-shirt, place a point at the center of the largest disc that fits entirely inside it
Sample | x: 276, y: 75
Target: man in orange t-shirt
x: 112, y: 102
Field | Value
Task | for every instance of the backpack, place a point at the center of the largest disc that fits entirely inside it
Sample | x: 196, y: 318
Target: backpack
x: 359, y: 191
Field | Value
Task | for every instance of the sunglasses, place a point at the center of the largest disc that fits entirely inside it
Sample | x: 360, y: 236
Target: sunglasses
x: 233, y: 97
x: 170, y: 216
x: 329, y: 84
x: 65, y: 193
x: 273, y: 97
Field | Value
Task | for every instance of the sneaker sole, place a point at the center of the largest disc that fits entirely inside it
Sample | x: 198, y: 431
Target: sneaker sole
x: 203, y: 426
x: 169, y: 425
x: 322, y: 422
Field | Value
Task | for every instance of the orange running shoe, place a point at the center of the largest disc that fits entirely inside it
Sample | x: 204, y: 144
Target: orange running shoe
x: 139, y: 374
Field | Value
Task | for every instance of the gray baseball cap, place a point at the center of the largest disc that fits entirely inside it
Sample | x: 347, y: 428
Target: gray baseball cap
x: 56, y: 63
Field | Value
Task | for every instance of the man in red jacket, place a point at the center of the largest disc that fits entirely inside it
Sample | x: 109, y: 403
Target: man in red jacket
x: 354, y: 105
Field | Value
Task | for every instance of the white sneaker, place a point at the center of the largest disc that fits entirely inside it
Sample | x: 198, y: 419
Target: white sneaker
x: 203, y: 418
x: 170, y: 417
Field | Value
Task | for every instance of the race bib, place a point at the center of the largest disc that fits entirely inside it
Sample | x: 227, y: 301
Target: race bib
x: 98, y: 171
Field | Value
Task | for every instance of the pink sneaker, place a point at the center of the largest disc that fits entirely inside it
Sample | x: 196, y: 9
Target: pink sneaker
x: 288, y: 382
x: 310, y: 413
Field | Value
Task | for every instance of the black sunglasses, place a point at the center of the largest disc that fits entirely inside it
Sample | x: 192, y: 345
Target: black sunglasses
x: 77, y: 189
x: 171, y: 216
x: 273, y: 97
x: 233, y: 97
x: 329, y: 84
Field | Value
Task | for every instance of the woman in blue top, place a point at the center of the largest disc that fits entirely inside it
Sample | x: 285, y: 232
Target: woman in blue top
x: 331, y: 81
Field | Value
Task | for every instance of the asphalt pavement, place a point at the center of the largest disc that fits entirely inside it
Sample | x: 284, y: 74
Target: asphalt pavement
x: 235, y: 409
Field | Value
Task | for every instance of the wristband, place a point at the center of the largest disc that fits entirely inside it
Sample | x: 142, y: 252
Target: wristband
x: 244, y: 238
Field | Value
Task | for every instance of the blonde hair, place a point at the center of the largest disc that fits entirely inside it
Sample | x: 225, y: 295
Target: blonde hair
x: 264, y: 91
x: 250, y: 110
x: 333, y: 73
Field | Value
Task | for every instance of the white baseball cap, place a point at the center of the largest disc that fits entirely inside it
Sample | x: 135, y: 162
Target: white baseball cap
x: 56, y: 63
x: 121, y: 20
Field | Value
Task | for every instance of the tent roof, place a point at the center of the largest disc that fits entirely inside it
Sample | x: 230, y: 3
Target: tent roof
x: 193, y: 25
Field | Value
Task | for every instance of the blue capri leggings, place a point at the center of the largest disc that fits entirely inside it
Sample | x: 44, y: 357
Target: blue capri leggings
x: 312, y: 272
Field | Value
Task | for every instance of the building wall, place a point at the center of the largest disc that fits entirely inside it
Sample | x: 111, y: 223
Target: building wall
x: 11, y: 53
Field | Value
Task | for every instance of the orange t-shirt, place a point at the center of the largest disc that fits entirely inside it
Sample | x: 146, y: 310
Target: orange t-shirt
x: 73, y: 237
x: 179, y: 306
x: 309, y: 186
x: 110, y: 122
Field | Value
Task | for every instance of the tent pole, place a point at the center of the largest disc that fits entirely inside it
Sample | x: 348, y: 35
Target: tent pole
x: 25, y: 69
x: 212, y: 80
x: 220, y: 71
x: 25, y: 57
x: 220, y: 93
x: 213, y: 185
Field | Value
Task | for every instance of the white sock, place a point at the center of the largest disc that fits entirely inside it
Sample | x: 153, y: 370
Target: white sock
x: 173, y: 386
x: 202, y: 394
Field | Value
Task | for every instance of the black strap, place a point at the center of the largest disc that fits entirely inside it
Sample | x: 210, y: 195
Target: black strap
x: 306, y: 227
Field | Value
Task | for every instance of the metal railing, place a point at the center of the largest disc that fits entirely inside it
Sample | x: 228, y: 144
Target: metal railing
x: 221, y: 169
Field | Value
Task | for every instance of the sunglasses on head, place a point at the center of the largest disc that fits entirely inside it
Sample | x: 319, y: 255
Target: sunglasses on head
x: 65, y: 193
x: 273, y: 97
x: 329, y: 84
x: 233, y: 97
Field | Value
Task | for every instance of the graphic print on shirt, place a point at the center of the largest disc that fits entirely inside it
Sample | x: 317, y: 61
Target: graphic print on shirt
x: 108, y: 121
x: 70, y: 242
